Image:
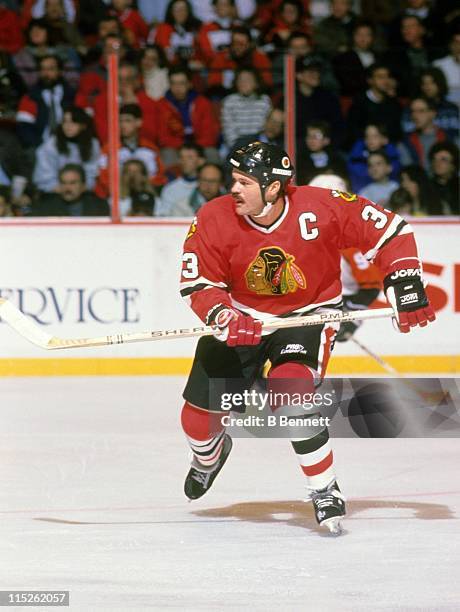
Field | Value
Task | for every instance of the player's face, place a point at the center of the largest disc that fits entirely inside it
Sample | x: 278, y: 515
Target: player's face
x: 246, y: 193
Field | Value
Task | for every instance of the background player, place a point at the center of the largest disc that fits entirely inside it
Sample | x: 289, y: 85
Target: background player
x: 272, y: 250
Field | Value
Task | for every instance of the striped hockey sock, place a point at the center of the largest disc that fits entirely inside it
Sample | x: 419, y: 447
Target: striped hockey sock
x: 311, y: 445
x: 204, y: 433
x: 316, y: 459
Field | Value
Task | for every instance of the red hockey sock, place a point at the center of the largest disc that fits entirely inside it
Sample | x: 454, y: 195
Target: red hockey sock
x: 205, y: 433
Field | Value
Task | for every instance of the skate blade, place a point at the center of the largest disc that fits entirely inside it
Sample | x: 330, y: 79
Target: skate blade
x: 333, y: 525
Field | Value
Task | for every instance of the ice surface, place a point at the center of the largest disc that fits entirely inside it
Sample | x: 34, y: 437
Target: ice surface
x: 91, y: 501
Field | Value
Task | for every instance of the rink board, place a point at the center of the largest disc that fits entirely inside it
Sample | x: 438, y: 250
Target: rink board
x: 80, y: 279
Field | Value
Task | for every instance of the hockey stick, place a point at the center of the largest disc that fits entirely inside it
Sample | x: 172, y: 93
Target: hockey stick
x: 425, y: 395
x: 32, y: 332
x: 385, y: 365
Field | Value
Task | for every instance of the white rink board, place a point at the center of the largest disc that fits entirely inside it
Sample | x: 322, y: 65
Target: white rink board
x: 91, y: 280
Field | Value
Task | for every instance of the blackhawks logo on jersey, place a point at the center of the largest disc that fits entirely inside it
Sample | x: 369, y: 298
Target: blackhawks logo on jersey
x: 273, y: 272
x: 345, y: 195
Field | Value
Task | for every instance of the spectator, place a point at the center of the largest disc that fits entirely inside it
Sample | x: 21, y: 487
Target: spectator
x: 444, y: 165
x: 107, y: 26
x: 15, y: 167
x: 41, y: 111
x: 272, y: 132
x: 299, y: 45
x: 75, y: 143
x: 5, y: 204
x: 72, y: 199
x: 12, y: 87
x: 204, y: 11
x: 316, y: 156
x: 37, y: 45
x: 425, y: 198
x: 425, y: 134
x: 65, y: 9
x: 333, y: 34
x: 401, y: 202
x: 289, y: 17
x: 245, y: 111
x: 137, y: 195
x: 450, y: 65
x: 130, y: 91
x: 91, y: 15
x: 11, y: 37
x: 210, y: 186
x: 59, y: 16
x: 350, y: 66
x: 176, y: 36
x: 375, y: 139
x: 154, y: 71
x: 176, y: 194
x: 186, y: 116
x: 93, y: 80
x: 132, y: 146
x: 423, y: 11
x: 411, y: 57
x: 135, y: 28
x: 381, y: 187
x: 215, y: 35
x: 432, y: 85
x: 375, y: 106
x: 240, y: 54
x: 313, y: 103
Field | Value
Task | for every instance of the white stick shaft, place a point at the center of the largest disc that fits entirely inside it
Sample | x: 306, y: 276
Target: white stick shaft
x: 26, y: 328
x: 385, y: 365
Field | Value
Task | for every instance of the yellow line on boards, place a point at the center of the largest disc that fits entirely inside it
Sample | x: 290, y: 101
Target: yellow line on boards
x: 176, y: 366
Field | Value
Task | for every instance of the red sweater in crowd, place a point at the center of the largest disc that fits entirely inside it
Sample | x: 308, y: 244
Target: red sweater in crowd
x: 206, y: 127
x: 135, y: 26
x: 11, y: 37
x: 150, y: 116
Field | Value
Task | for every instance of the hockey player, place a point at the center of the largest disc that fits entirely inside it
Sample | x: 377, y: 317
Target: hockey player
x: 267, y: 250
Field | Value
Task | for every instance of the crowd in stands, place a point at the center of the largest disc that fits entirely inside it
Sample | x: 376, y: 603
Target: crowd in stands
x: 377, y: 98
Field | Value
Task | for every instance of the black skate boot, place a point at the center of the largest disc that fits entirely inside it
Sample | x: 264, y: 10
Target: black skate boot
x: 329, y: 506
x: 200, y: 478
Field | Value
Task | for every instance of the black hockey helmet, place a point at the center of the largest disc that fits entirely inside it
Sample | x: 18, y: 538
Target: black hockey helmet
x: 265, y: 162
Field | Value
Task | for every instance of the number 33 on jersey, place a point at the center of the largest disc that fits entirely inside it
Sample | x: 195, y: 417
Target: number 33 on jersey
x: 292, y: 266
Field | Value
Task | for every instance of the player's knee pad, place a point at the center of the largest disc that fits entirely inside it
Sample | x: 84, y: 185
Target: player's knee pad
x: 200, y: 424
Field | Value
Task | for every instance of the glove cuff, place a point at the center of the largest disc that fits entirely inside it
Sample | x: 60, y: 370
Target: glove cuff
x: 214, y: 312
x: 402, y: 276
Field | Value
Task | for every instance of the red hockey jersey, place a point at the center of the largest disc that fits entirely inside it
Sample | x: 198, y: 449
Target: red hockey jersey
x: 292, y: 266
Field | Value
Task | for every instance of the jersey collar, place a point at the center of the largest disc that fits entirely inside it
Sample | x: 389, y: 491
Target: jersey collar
x: 268, y: 229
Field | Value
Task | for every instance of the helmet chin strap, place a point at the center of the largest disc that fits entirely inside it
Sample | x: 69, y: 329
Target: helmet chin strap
x: 267, y: 206
x: 265, y: 210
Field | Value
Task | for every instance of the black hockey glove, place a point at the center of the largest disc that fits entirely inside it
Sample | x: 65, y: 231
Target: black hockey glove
x: 405, y: 292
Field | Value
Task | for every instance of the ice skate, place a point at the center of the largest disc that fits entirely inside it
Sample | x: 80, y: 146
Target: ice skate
x: 200, y: 478
x: 329, y: 506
